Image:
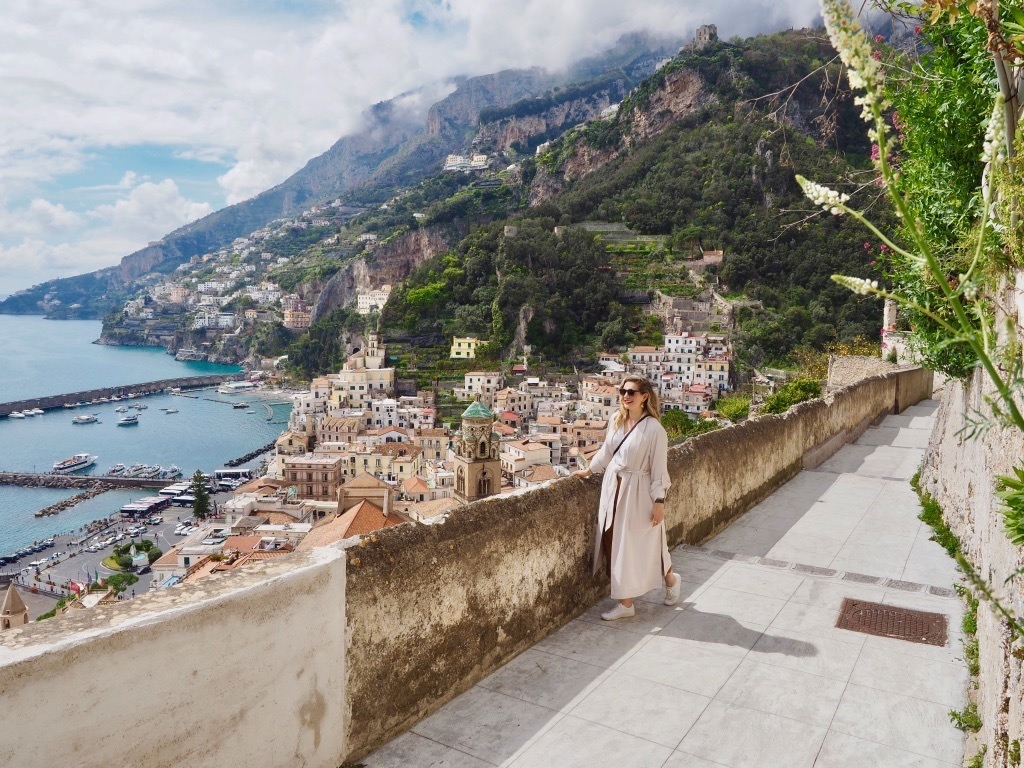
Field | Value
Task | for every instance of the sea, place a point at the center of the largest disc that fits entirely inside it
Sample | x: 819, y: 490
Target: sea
x: 48, y: 357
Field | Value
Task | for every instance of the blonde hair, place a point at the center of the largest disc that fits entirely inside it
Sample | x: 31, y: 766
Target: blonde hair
x: 651, y: 405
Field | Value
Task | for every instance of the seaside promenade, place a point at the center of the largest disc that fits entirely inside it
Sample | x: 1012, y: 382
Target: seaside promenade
x: 749, y: 669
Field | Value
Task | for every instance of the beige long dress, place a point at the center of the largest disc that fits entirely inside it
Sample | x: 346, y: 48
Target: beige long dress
x: 639, y: 472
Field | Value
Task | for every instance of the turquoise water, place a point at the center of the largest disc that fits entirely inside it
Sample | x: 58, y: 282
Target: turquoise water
x: 53, y: 357
x: 202, y: 435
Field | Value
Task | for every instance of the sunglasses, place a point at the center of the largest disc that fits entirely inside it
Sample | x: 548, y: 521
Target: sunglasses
x: 623, y: 391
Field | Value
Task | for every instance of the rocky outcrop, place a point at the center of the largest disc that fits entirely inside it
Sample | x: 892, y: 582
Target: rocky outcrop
x: 389, y: 264
x: 682, y: 94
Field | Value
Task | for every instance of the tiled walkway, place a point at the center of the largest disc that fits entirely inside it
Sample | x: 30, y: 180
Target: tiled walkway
x: 749, y: 669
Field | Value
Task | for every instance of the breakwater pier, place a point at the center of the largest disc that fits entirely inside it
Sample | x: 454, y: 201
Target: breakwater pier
x: 128, y: 390
x: 50, y: 480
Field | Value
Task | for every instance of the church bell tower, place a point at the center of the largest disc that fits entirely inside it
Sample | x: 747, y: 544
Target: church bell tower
x: 477, y: 468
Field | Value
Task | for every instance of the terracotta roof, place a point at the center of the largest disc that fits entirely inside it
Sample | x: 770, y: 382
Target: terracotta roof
x: 432, y: 433
x: 279, y: 518
x: 428, y: 509
x: 241, y: 543
x: 365, y: 480
x: 397, y: 449
x: 415, y: 485
x: 169, y: 559
x: 540, y: 473
x: 502, y: 429
x: 509, y: 415
x: 369, y: 518
x: 260, y: 483
x: 549, y: 419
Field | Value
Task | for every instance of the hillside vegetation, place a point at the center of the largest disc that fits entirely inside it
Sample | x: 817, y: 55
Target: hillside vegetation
x: 719, y: 177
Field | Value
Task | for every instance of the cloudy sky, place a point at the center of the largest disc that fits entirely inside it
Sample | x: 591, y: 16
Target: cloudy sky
x: 120, y: 121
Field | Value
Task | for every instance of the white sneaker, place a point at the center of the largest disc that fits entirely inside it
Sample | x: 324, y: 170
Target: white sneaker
x: 620, y: 611
x: 672, y: 593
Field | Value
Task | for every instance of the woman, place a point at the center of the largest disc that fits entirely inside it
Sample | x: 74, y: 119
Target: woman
x: 631, y: 520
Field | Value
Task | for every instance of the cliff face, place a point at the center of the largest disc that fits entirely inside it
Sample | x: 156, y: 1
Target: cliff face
x: 527, y: 128
x: 682, y: 94
x: 387, y: 265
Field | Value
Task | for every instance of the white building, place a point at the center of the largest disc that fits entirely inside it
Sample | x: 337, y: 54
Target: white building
x: 374, y: 301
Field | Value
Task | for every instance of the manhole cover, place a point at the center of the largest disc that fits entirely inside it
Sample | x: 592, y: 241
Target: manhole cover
x: 890, y: 621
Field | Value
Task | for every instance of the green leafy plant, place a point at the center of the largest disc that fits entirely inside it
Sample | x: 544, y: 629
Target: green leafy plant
x: 1011, y: 493
x: 735, y: 407
x: 791, y: 393
x: 966, y: 719
x: 978, y: 761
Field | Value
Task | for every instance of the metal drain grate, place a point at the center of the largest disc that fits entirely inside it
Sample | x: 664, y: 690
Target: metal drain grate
x: 890, y: 621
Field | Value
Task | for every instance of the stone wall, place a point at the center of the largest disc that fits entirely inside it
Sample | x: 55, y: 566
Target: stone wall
x: 960, y: 474
x: 433, y: 609
x: 316, y: 657
x: 244, y: 669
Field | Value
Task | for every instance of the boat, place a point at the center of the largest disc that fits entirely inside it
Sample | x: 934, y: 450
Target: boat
x: 117, y: 469
x: 128, y: 421
x: 135, y: 469
x: 170, y: 410
x: 240, y: 405
x: 121, y: 409
x: 170, y: 472
x: 31, y: 412
x: 16, y: 415
x: 75, y: 463
x: 88, y: 418
x: 151, y: 470
x: 140, y: 406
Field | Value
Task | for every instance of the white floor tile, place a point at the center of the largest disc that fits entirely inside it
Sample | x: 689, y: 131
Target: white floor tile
x: 577, y: 743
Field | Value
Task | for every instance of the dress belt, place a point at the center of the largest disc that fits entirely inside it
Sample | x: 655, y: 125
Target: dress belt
x: 622, y: 472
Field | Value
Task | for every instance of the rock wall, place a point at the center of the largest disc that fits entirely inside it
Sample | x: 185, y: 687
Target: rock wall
x: 960, y: 473
x: 389, y: 264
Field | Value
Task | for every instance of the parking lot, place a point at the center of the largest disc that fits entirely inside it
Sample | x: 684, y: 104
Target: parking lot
x: 67, y: 560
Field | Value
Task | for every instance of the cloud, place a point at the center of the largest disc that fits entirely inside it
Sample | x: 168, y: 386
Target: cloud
x: 259, y: 88
x: 41, y: 250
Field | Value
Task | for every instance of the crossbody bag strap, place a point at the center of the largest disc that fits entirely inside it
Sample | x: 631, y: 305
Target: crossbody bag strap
x: 623, y: 441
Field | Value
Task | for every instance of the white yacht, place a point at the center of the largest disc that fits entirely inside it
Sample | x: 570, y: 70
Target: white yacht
x: 16, y: 415
x: 88, y: 418
x: 75, y: 463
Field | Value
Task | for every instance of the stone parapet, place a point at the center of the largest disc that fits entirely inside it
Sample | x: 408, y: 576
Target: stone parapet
x: 315, y: 658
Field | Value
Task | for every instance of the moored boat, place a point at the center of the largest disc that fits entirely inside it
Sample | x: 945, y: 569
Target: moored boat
x: 16, y: 415
x: 128, y: 421
x: 117, y: 469
x: 88, y: 418
x: 171, y: 410
x: 75, y: 463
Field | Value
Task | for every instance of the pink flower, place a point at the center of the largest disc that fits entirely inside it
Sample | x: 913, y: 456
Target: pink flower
x: 918, y: 29
x: 876, y: 55
x: 876, y: 153
x: 867, y: 246
x: 879, y: 39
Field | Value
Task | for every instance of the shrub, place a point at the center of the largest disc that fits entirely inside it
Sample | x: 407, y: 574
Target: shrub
x: 791, y: 393
x: 124, y: 561
x: 734, y: 408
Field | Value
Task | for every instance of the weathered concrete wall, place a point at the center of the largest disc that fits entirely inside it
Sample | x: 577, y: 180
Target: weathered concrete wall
x: 433, y: 609
x: 960, y: 474
x: 246, y: 668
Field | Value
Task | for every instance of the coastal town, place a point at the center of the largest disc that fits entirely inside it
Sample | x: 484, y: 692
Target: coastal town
x: 356, y: 457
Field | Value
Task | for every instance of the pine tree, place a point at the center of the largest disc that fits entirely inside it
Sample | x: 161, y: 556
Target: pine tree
x: 201, y: 503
